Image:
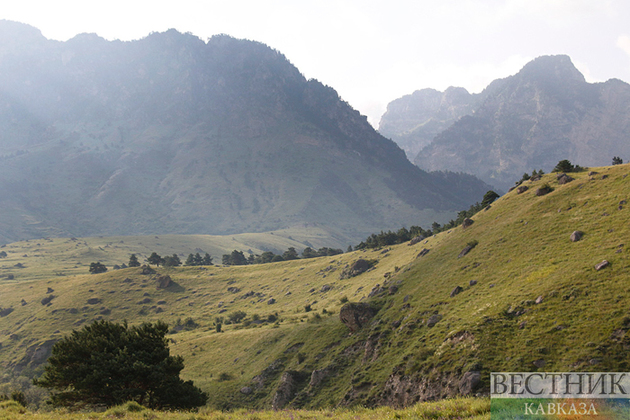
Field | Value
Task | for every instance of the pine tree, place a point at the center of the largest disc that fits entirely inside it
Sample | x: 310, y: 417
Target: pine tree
x: 133, y: 261
x: 108, y: 364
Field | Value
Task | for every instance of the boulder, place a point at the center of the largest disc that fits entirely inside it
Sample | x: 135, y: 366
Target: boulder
x: 539, y: 300
x: 358, y: 267
x: 433, y: 319
x: 326, y: 288
x: 469, y: 382
x: 271, y: 301
x: 457, y: 290
x: 545, y: 189
x: 576, y: 236
x: 467, y: 222
x: 246, y: 390
x: 472, y: 282
x: 602, y: 265
x: 93, y: 301
x: 465, y: 251
x: 163, y: 282
x: 564, y: 179
x: 286, y: 390
x: 422, y: 253
x: 416, y: 240
x: 356, y: 315
x: 521, y: 189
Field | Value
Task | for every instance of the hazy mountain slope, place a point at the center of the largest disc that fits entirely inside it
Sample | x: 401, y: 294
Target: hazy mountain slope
x: 414, y: 120
x: 532, y: 120
x: 530, y: 299
x: 170, y: 134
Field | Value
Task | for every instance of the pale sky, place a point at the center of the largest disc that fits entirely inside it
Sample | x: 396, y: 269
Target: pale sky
x: 371, y: 52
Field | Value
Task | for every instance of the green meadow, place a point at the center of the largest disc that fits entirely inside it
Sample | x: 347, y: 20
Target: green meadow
x: 530, y: 300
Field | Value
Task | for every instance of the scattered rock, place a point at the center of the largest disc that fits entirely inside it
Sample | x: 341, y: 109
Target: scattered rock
x: 393, y: 289
x: 591, y: 173
x: 595, y: 361
x: 146, y: 270
x: 467, y: 222
x: 521, y: 189
x: 23, y: 303
x: 326, y: 288
x: 406, y: 298
x: 127, y: 280
x: 5, y: 312
x: 416, y: 240
x: 286, y: 390
x: 604, y: 176
x: 564, y: 179
x: 105, y: 311
x: 539, y: 363
x: 602, y: 265
x: 163, y: 282
x: 433, y: 319
x: 246, y: 390
x: 47, y: 299
x: 576, y: 236
x: 376, y: 290
x: 472, y: 282
x: 93, y: 301
x: 522, y: 325
x: 457, y: 290
x: 358, y: 267
x: 545, y: 189
x: 271, y: 301
x: 356, y: 315
x: 424, y: 252
x: 469, y: 382
x: 465, y: 251
x: 49, y: 291
x: 145, y: 301
x: 539, y: 300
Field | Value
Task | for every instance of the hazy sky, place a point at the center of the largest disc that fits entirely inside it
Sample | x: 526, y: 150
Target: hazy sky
x: 372, y: 52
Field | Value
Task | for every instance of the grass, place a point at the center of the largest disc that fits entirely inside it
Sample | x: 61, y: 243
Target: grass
x: 523, y: 252
x: 461, y: 408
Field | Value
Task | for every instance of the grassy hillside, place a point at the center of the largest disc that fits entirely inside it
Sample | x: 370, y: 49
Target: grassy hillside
x: 421, y: 344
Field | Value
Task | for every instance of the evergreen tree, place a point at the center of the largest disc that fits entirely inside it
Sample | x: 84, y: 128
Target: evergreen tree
x: 190, y: 260
x: 133, y: 261
x: 290, y: 254
x: 617, y: 160
x: 97, y: 267
x: 207, y: 259
x: 172, y: 261
x: 108, y: 364
x: 198, y: 260
x: 154, y: 258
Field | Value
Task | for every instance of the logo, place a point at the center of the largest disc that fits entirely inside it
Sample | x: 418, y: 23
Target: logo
x: 538, y: 395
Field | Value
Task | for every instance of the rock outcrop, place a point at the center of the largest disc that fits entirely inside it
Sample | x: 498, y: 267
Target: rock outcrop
x: 356, y: 315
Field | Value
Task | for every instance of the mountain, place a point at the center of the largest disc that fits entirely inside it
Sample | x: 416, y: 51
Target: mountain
x: 425, y: 321
x: 414, y: 120
x: 545, y: 113
x: 171, y: 134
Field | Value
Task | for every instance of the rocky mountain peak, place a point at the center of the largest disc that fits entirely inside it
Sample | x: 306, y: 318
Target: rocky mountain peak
x: 551, y: 67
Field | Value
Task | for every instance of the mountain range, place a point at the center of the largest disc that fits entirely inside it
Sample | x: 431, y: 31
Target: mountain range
x: 545, y: 113
x: 171, y: 134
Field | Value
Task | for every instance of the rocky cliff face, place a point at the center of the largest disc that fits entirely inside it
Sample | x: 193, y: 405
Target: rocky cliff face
x: 545, y: 113
x: 414, y: 120
x: 171, y: 134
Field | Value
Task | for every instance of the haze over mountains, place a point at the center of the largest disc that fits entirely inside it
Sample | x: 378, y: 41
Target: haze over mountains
x: 545, y: 113
x: 170, y: 134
